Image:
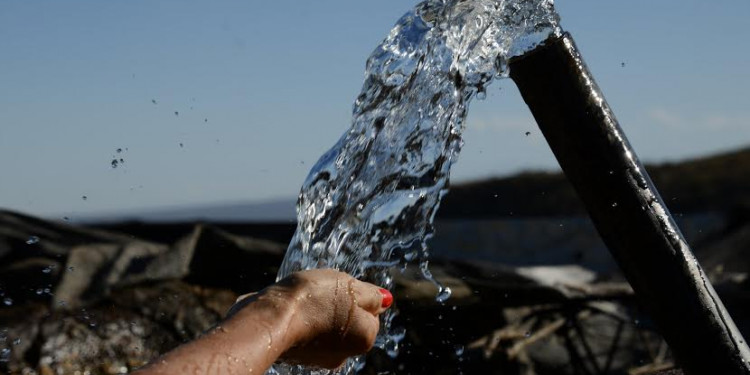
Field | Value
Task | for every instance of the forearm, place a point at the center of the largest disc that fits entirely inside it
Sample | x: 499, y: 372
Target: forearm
x: 227, y: 349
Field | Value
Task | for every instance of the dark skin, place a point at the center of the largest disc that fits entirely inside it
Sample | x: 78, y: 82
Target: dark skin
x: 316, y: 318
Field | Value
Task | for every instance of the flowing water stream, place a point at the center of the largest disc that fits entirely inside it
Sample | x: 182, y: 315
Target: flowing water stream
x: 368, y: 204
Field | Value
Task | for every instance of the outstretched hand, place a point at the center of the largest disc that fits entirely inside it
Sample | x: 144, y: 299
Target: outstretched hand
x: 333, y: 316
x: 316, y: 318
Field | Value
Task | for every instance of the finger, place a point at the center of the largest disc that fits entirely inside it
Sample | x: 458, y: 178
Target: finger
x: 361, y: 333
x: 372, y: 298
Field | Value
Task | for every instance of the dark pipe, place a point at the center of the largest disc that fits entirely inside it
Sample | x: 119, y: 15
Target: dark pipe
x: 626, y: 209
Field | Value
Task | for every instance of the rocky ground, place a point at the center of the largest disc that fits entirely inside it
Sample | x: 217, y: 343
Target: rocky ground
x: 78, y: 300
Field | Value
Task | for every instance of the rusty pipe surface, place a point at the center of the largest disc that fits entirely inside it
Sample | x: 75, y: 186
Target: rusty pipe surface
x: 626, y: 209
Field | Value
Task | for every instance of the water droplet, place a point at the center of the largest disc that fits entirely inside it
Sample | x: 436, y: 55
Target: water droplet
x: 17, y: 341
x: 115, y: 163
x: 7, y: 301
x: 39, y: 292
x: 4, y: 355
x: 32, y: 240
x: 71, y: 269
x: 443, y: 294
x: 527, y: 334
x: 614, y: 204
x: 153, y: 101
x: 459, y: 350
x: 84, y: 197
x: 528, y: 134
x: 176, y: 113
x: 182, y: 145
x: 48, y: 269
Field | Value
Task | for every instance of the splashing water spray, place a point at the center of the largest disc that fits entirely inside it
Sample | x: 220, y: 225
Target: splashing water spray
x: 368, y: 204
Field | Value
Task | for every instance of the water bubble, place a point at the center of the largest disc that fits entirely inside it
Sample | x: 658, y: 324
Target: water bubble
x: 4, y: 355
x: 39, y: 292
x: 115, y: 163
x: 71, y: 269
x: 32, y: 240
x: 528, y: 134
x: 527, y: 334
x: 459, y: 349
x: 7, y: 301
x: 17, y: 342
x: 614, y: 204
x: 176, y: 113
x: 153, y: 101
x: 48, y: 269
x: 84, y: 197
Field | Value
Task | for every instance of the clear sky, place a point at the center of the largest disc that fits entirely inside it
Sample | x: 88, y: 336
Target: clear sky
x: 225, y: 101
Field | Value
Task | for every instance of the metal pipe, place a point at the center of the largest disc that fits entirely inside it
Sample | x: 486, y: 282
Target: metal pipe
x: 626, y: 209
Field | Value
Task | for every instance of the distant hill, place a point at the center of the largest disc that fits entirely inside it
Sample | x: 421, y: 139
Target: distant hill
x: 715, y: 183
x: 277, y: 211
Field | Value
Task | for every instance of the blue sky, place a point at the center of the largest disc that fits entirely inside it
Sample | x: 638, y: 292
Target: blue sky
x: 263, y: 88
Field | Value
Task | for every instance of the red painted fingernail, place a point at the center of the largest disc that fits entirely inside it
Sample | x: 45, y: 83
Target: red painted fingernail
x: 387, y: 298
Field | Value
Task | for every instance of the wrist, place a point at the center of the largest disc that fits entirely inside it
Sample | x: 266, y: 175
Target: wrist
x: 271, y: 315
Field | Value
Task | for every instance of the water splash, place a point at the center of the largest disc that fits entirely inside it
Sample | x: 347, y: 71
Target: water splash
x: 369, y: 202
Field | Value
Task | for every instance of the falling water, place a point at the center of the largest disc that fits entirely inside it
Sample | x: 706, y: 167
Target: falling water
x: 368, y: 204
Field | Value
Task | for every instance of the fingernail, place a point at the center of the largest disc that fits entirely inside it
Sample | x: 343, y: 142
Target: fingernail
x: 387, y: 298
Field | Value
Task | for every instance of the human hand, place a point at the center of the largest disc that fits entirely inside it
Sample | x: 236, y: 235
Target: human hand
x: 331, y: 316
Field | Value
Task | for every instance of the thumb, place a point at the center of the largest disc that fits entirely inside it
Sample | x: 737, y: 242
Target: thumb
x: 372, y: 298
